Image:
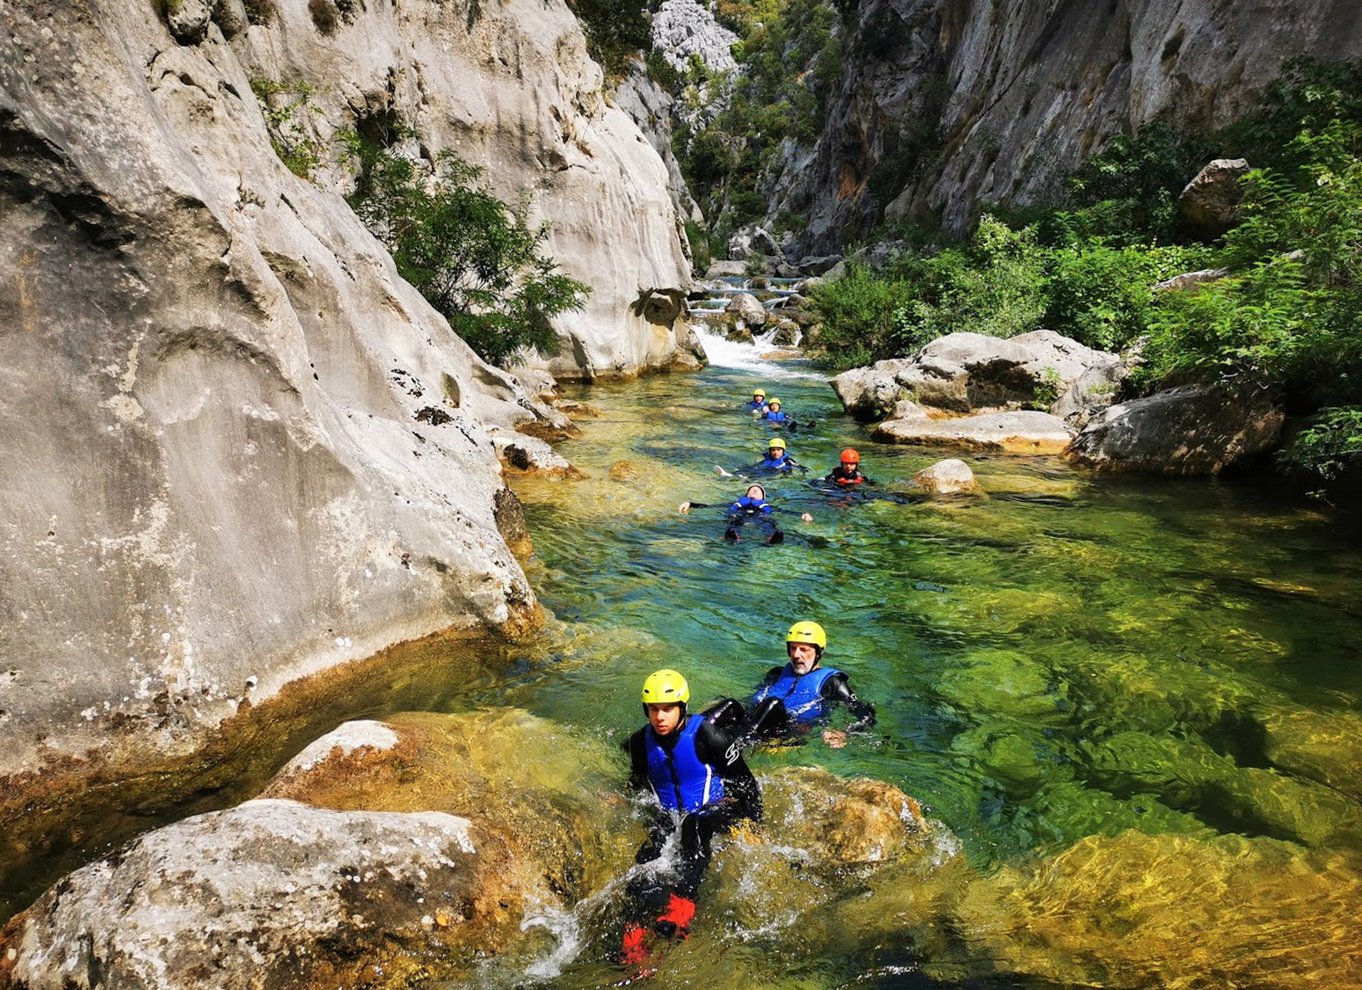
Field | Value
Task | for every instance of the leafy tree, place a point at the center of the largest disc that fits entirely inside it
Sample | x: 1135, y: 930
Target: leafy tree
x: 475, y: 260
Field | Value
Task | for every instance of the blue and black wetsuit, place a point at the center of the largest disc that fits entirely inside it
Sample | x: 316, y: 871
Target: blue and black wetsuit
x: 782, y: 464
x: 703, y: 788
x: 787, y: 702
x: 757, y: 406
x: 779, y: 417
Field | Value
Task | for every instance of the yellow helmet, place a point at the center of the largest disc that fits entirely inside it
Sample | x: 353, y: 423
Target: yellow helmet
x: 773, y: 401
x: 665, y: 687
x: 807, y: 632
x: 776, y: 444
x: 758, y: 392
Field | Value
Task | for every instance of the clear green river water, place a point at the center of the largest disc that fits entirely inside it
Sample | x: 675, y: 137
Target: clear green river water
x: 1131, y: 708
x: 1100, y: 685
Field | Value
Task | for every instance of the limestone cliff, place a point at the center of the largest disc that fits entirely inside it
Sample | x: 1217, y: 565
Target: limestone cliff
x: 997, y: 102
x: 237, y: 447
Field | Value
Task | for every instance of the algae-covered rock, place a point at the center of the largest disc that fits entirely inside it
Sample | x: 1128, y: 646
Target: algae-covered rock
x: 839, y: 822
x: 1003, y: 682
x: 1172, y: 911
x: 559, y: 813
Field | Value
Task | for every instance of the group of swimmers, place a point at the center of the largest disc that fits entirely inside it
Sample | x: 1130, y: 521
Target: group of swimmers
x: 692, y: 763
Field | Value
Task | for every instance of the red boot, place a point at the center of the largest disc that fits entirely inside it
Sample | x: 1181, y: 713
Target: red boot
x: 675, y: 921
x: 634, y: 947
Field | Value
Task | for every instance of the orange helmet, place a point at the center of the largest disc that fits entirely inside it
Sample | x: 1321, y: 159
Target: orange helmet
x: 849, y: 456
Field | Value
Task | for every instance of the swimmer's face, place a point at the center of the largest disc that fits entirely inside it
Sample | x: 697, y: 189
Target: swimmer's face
x: 803, y: 657
x: 756, y: 492
x: 664, y: 718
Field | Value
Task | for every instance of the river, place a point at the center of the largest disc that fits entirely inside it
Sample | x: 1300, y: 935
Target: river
x: 1129, y: 706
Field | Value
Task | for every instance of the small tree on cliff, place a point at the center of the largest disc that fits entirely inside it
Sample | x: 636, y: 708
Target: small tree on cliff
x: 475, y: 260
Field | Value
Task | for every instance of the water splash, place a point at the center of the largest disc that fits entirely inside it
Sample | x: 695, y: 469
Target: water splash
x: 753, y: 356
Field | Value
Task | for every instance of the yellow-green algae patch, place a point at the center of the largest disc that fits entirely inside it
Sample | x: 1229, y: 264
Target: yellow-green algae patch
x: 1172, y: 911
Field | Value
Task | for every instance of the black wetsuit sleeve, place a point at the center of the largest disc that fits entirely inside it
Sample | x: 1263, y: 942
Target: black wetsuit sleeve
x: 723, y: 752
x: 836, y: 689
x: 638, y: 761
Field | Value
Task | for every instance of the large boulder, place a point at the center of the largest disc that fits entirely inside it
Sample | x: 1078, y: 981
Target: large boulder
x: 1020, y: 432
x: 949, y: 477
x: 870, y: 393
x: 968, y: 371
x: 271, y: 893
x: 1209, y: 204
x: 1191, y: 429
x: 748, y: 309
x: 965, y: 372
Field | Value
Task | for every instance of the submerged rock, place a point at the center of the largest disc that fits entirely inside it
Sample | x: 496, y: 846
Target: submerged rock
x: 1191, y: 429
x: 1138, y: 911
x: 1022, y: 432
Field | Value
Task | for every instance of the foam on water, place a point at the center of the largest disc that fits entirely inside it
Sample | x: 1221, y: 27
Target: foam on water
x: 744, y: 356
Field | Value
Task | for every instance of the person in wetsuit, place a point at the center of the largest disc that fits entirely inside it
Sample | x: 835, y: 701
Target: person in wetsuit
x: 773, y: 414
x: 758, y: 404
x: 702, y: 788
x: 847, y: 474
x: 777, y: 460
x: 792, y: 699
x: 751, y: 507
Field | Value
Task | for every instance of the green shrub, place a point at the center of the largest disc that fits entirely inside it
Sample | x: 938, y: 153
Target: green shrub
x: 616, y: 32
x: 1331, y: 442
x: 259, y: 11
x: 287, y: 109
x: 475, y: 260
x: 857, y: 315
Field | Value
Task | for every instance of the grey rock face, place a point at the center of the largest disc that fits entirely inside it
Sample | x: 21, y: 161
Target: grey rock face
x: 1192, y: 429
x: 1209, y: 203
x: 651, y: 110
x: 683, y: 29
x: 242, y: 445
x: 1016, y: 95
x: 271, y: 890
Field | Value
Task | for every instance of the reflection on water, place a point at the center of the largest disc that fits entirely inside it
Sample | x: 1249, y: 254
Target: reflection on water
x: 1154, y: 679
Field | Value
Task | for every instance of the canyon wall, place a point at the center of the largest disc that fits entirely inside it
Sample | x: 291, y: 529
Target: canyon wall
x: 238, y: 448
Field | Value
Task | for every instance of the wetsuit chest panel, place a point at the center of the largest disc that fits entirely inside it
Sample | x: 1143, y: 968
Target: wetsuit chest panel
x: 802, y: 695
x: 779, y: 464
x: 751, y: 506
x: 681, y: 780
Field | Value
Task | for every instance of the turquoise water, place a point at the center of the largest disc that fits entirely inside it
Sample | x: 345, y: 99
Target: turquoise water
x: 1131, y: 708
x: 1072, y: 656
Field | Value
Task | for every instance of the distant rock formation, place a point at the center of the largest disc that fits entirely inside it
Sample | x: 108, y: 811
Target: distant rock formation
x: 1003, y: 100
